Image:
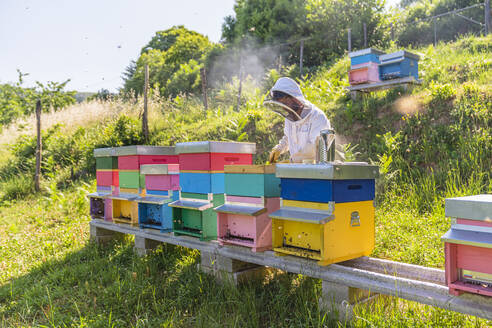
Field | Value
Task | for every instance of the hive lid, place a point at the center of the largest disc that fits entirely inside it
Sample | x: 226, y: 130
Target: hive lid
x: 469, y: 235
x: 159, y: 169
x: 365, y: 52
x: 250, y: 169
x: 398, y: 54
x: 104, y: 152
x: 240, y: 209
x: 144, y: 150
x: 99, y: 194
x: 123, y: 196
x: 477, y: 207
x: 154, y: 200
x: 302, y: 215
x: 215, y: 147
x: 328, y: 171
x: 191, y: 205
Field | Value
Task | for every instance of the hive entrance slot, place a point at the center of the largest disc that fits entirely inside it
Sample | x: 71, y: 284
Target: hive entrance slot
x: 151, y: 221
x: 191, y: 230
x: 304, y: 252
x: 239, y: 238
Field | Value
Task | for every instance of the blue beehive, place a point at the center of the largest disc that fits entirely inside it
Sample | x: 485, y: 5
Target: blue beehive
x: 398, y: 65
x: 153, y: 211
x: 324, y: 191
x: 364, y: 56
x: 202, y: 183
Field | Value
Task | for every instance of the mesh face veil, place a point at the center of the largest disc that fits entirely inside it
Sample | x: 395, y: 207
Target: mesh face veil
x: 285, y: 105
x: 282, y: 109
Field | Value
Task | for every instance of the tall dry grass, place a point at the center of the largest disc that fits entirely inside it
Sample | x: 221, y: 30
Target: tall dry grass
x: 83, y: 114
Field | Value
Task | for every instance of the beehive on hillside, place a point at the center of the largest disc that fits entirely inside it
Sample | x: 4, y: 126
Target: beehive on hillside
x: 468, y: 245
x: 327, y: 211
x: 201, y: 181
x: 131, y: 183
x: 252, y: 192
x: 161, y: 187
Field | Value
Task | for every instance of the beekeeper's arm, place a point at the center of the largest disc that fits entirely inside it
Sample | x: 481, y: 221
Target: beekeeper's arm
x: 282, y: 147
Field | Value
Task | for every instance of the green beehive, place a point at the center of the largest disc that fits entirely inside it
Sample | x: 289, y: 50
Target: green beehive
x: 194, y: 215
x: 105, y: 159
x: 251, y: 181
x: 129, y: 179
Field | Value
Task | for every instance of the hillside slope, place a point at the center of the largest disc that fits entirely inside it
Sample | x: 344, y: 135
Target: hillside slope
x: 431, y: 143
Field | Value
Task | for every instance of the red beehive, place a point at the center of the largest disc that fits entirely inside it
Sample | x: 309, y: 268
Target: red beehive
x: 468, y: 245
x: 211, y: 156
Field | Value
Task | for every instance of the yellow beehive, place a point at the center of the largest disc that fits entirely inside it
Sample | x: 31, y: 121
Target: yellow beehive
x: 327, y: 232
x: 125, y: 211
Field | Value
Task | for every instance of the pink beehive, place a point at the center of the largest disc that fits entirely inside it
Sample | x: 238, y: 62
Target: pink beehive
x: 252, y: 193
x: 244, y: 225
x: 364, y: 73
x: 468, y: 245
x: 161, y: 177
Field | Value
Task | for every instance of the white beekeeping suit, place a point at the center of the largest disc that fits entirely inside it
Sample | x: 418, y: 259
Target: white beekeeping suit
x: 299, y: 135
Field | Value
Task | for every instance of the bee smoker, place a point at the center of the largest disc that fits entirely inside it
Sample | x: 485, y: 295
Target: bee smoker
x: 325, y: 146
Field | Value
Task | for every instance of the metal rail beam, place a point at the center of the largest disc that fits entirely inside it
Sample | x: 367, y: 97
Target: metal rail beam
x: 406, y: 281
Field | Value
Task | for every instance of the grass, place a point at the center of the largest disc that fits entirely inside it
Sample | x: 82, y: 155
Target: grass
x: 431, y: 143
x: 51, y: 276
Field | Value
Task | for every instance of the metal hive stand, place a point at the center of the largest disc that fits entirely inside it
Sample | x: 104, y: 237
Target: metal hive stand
x: 342, y: 282
x: 404, y: 82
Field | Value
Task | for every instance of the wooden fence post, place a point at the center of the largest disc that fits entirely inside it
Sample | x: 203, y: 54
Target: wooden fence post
x: 145, y: 123
x: 203, y: 75
x: 349, y: 39
x: 435, y: 32
x: 301, y: 50
x: 240, y: 88
x: 39, y: 146
x: 365, y: 35
x: 488, y: 28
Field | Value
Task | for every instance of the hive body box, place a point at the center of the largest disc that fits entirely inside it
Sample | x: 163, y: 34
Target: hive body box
x: 327, y: 211
x: 398, y: 65
x: 131, y: 157
x: 106, y: 181
x: 202, y: 184
x: 364, y: 56
x: 131, y: 183
x: 366, y: 73
x: 101, y: 205
x: 468, y: 245
x: 162, y: 187
x: 252, y: 193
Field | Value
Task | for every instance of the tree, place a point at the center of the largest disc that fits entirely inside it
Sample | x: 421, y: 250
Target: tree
x: 176, y: 51
x: 17, y: 101
x: 415, y: 30
x: 327, y: 22
x: 323, y: 22
x: 269, y: 21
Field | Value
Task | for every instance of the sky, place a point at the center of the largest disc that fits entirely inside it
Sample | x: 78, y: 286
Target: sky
x: 91, y: 42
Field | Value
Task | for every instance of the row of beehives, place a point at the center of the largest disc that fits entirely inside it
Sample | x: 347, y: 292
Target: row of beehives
x: 211, y: 190
x: 372, y: 66
x: 319, y: 211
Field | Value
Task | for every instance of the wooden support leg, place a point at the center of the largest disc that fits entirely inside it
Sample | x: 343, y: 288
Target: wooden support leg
x: 340, y: 300
x: 144, y: 246
x: 100, y: 235
x: 229, y: 270
x: 354, y: 95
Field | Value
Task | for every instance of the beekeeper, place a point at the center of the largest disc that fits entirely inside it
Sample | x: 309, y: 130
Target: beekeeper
x: 303, y: 122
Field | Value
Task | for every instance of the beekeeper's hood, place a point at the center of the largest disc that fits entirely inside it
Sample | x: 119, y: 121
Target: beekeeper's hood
x: 291, y: 88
